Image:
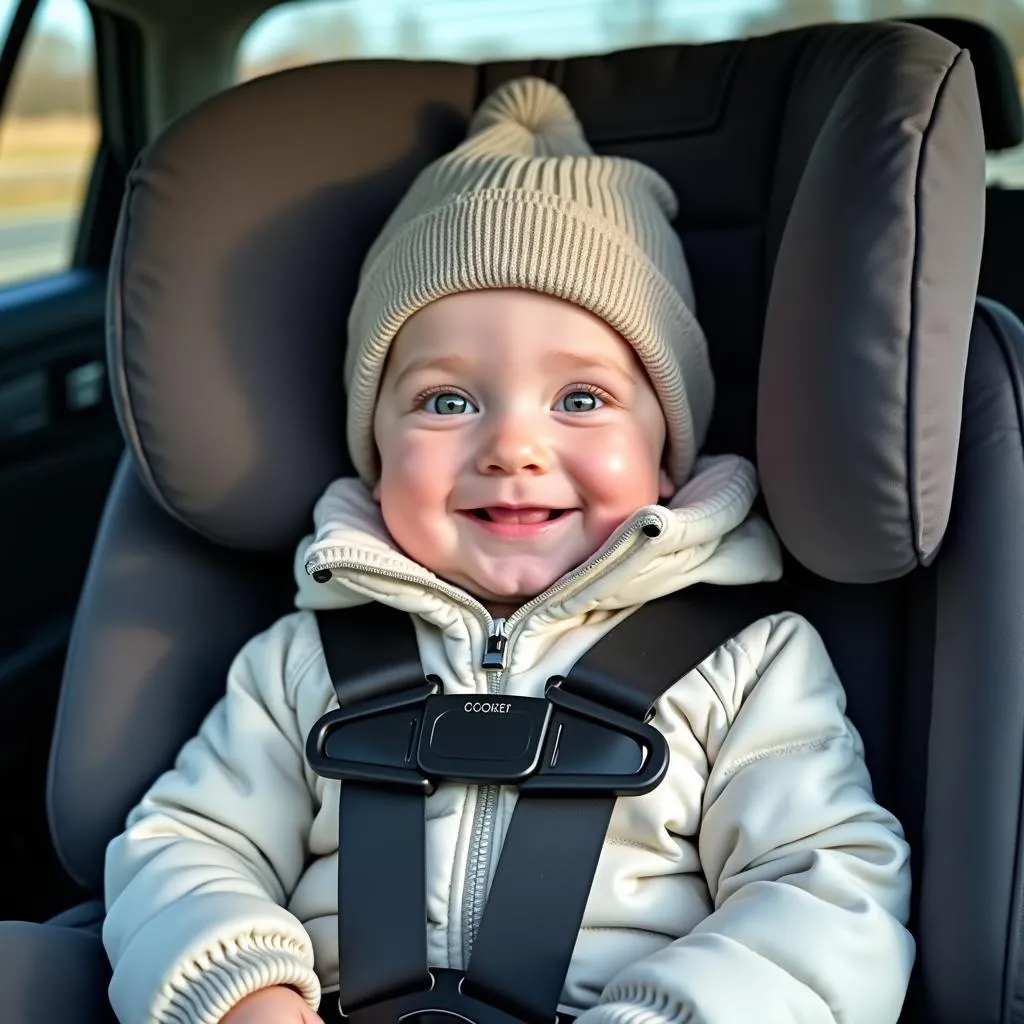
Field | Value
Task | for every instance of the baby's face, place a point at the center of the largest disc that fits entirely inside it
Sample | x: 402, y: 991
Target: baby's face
x: 516, y: 432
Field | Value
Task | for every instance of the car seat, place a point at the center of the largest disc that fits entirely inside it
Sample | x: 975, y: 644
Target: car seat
x: 831, y: 183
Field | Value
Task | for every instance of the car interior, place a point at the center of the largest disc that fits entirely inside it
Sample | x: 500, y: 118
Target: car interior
x: 170, y: 410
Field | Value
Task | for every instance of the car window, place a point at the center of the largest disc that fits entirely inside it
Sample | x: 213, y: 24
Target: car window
x: 307, y: 31
x: 49, y: 135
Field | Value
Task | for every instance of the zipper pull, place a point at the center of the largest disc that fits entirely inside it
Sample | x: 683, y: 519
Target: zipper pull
x: 494, y: 652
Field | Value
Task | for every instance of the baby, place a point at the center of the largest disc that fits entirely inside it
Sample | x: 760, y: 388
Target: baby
x: 528, y: 390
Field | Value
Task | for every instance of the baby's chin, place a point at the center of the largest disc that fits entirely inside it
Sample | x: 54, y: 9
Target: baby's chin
x: 511, y: 584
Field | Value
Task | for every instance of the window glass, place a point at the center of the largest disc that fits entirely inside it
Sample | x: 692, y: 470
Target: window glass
x: 49, y: 134
x: 308, y: 31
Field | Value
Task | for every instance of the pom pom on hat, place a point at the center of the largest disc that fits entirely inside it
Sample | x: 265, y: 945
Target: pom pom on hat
x: 532, y: 118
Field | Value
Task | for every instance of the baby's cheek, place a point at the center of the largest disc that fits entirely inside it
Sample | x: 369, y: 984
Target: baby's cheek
x: 415, y: 486
x: 619, y: 474
x: 416, y: 469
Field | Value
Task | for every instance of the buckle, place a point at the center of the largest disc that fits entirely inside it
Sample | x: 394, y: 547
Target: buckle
x: 593, y: 749
x: 558, y: 744
x: 372, y: 740
x: 445, y: 1002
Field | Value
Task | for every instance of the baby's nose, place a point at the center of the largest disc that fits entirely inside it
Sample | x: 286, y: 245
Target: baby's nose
x: 514, y: 445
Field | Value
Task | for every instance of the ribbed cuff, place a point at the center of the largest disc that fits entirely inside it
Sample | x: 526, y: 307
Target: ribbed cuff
x: 641, y: 1011
x: 205, y: 989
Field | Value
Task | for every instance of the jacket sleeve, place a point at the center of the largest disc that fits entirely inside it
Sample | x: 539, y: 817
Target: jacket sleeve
x: 808, y: 875
x: 195, y: 886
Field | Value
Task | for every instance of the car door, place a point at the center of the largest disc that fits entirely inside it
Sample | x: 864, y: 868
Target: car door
x: 69, y: 125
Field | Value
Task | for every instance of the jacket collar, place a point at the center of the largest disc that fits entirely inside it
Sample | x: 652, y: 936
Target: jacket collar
x: 706, y: 533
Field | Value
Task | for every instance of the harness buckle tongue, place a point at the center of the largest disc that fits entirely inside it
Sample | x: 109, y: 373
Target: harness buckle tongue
x: 594, y: 749
x: 372, y: 741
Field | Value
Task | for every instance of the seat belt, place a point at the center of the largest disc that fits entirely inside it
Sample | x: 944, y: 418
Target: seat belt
x: 571, y: 753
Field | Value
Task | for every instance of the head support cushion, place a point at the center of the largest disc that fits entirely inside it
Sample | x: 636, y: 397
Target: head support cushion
x: 870, y: 309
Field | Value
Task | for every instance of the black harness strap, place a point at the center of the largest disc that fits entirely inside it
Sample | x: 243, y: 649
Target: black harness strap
x: 545, y: 872
x: 371, y: 651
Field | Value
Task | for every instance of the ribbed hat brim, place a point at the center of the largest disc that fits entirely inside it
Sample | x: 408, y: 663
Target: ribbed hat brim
x: 516, y: 238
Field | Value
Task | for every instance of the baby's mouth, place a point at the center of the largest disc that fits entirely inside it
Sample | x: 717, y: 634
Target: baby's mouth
x: 521, y: 516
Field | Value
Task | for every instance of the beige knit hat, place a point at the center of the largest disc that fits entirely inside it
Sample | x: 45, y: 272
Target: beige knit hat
x: 525, y: 203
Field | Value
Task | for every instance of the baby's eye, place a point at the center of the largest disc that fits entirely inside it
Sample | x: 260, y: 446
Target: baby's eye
x: 448, y: 403
x: 580, y: 401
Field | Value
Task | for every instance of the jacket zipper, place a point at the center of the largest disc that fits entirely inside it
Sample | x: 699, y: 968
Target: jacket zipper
x: 481, y: 836
x: 499, y: 642
x: 500, y: 636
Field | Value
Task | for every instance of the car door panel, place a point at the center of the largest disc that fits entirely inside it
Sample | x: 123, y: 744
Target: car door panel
x: 59, y: 445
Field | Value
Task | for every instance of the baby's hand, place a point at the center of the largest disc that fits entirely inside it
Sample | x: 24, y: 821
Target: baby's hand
x: 277, y: 1005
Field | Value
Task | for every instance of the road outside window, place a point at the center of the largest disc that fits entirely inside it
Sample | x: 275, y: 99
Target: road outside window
x: 49, y: 134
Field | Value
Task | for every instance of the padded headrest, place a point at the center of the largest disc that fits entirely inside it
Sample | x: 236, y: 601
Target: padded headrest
x: 831, y: 183
x: 1001, y: 113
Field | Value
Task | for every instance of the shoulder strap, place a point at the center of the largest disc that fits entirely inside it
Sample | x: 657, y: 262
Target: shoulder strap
x: 382, y: 942
x: 370, y: 650
x: 632, y: 665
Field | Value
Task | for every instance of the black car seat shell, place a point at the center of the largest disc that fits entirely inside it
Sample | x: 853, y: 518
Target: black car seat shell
x: 831, y: 185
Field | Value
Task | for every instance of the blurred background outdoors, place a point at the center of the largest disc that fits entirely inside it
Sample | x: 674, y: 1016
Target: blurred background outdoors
x: 48, y: 129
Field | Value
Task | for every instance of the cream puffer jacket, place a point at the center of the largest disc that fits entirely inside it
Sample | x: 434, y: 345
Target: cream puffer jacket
x: 760, y: 882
